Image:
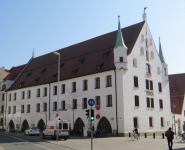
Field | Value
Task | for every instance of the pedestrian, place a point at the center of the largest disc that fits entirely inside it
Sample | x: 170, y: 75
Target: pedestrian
x: 22, y: 128
x: 169, y: 134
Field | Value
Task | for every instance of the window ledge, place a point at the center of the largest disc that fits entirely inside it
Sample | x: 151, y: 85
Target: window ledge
x: 84, y: 108
x: 109, y: 106
x: 148, y: 74
x: 62, y: 93
x: 137, y: 106
x: 136, y: 87
x: 28, y: 112
x: 109, y: 86
x: 73, y: 92
x: 85, y: 90
x: 97, y: 88
x: 45, y: 96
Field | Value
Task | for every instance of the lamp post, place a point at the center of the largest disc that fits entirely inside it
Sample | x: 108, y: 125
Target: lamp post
x: 55, y: 53
x: 174, y: 117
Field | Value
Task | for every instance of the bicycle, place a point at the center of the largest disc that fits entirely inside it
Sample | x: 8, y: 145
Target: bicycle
x: 135, y: 136
x: 180, y: 137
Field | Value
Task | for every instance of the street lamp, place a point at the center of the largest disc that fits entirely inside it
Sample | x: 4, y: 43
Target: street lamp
x: 174, y: 117
x: 55, y: 53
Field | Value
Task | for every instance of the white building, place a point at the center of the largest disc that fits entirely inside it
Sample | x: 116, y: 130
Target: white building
x: 124, y: 74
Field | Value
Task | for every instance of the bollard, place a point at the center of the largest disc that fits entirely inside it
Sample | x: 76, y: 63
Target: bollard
x: 162, y: 135
x: 145, y: 135
x: 129, y: 134
x: 154, y: 135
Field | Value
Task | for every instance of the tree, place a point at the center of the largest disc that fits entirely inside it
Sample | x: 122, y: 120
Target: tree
x: 71, y: 96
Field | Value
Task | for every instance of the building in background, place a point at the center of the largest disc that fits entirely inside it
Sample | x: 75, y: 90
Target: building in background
x: 177, y: 89
x: 121, y: 71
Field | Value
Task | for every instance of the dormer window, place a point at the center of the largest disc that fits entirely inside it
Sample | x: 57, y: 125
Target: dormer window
x: 105, y: 54
x: 80, y: 61
x: 62, y: 65
x: 74, y: 71
x: 53, y: 77
x: 37, y: 80
x: 28, y: 74
x: 22, y: 83
x: 99, y: 66
x: 43, y: 70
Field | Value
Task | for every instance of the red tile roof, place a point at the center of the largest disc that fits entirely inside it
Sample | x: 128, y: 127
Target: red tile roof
x: 177, y: 84
x: 91, y: 51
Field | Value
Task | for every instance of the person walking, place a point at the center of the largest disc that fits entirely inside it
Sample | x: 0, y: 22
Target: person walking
x: 169, y: 134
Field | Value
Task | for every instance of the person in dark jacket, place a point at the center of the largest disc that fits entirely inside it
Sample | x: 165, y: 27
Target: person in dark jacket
x: 169, y: 135
x: 136, y: 131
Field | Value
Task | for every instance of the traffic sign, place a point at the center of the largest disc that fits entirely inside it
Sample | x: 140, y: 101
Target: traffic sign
x: 57, y: 115
x: 97, y: 107
x: 91, y: 102
x: 98, y: 116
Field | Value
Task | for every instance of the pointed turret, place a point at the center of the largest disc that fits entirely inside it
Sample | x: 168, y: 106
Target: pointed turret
x: 161, y: 52
x: 144, y: 15
x: 119, y: 40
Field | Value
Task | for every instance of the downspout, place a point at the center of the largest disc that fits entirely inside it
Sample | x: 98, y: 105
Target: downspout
x: 49, y: 101
x: 116, y: 101
x: 5, y: 110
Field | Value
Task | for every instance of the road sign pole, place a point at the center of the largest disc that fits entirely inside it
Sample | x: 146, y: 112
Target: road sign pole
x: 91, y: 134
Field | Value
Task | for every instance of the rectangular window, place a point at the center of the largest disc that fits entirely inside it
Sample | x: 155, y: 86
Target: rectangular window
x: 135, y: 81
x: 135, y: 122
x: 14, y: 109
x: 10, y: 97
x: 142, y: 37
x: 109, y: 100
x: 15, y: 95
x: 161, y: 103
x: 97, y: 100
x: 63, y: 105
x: 136, y: 100
x: 147, y: 58
x: 3, y: 97
x: 55, y: 90
x: 85, y: 103
x: 1, y: 122
x: 44, y: 106
x: 120, y: 59
x: 38, y: 92
x: 22, y: 108
x: 2, y: 109
x: 9, y: 110
x: 38, y: 107
x: 97, y: 83
x: 109, y: 81
x: 147, y: 84
x: 29, y: 94
x: 23, y: 94
x: 75, y: 104
x: 74, y: 87
x: 28, y: 108
x: 152, y: 102
x: 162, y: 125
x: 54, y: 106
x: 148, y: 102
x: 85, y: 85
x: 160, y: 87
x: 45, y: 91
x: 151, y: 85
x: 150, y: 122
x: 63, y: 88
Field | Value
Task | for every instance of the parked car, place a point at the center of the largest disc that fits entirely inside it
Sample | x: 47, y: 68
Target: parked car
x: 32, y: 131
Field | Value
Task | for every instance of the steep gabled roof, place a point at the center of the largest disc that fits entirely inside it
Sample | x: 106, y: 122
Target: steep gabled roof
x: 14, y: 72
x: 177, y: 90
x: 91, y: 51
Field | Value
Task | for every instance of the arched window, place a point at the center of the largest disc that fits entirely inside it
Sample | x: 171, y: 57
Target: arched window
x: 104, y: 124
x: 142, y: 50
x: 135, y: 62
x: 146, y: 42
x: 152, y: 54
x: 147, y: 55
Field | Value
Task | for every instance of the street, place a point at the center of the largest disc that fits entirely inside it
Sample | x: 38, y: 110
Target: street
x: 18, y: 141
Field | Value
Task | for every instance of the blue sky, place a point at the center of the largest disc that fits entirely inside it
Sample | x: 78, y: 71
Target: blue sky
x: 49, y: 25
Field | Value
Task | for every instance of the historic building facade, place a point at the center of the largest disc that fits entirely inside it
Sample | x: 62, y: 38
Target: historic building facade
x: 121, y: 71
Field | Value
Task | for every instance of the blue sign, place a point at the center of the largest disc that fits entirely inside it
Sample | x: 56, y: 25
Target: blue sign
x: 91, y: 102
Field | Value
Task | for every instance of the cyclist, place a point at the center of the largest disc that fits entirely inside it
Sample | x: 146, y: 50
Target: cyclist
x: 136, y: 131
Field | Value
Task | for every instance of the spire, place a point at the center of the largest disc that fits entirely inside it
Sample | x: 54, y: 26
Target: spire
x: 119, y: 40
x: 144, y: 14
x: 161, y: 52
x: 33, y: 54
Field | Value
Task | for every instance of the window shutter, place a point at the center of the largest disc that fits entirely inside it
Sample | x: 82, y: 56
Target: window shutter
x: 147, y: 84
x: 151, y: 85
x: 161, y: 122
x: 148, y: 102
x: 152, y: 102
x: 135, y: 122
